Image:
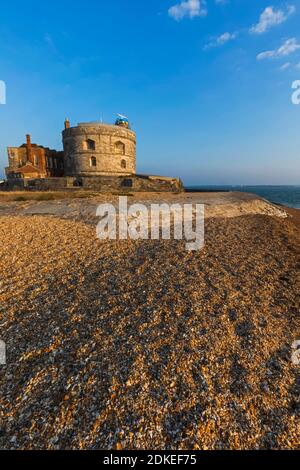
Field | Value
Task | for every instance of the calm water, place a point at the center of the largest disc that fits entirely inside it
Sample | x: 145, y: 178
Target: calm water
x: 286, y: 195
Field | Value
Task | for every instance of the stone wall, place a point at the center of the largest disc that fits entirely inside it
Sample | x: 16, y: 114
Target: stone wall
x: 109, y: 184
x: 99, y: 149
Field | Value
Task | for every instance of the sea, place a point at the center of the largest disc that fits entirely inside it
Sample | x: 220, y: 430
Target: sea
x: 286, y: 195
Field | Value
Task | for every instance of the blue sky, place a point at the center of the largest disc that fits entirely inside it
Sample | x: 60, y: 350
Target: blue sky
x: 206, y: 85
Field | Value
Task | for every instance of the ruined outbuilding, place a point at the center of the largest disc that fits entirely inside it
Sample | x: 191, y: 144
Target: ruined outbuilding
x: 34, y: 161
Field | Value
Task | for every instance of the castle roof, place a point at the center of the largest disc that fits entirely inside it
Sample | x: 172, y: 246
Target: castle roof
x: 28, y: 168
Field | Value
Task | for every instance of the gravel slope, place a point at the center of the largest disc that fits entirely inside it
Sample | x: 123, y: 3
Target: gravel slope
x: 145, y: 345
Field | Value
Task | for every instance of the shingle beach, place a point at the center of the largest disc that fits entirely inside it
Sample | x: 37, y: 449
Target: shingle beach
x: 144, y: 345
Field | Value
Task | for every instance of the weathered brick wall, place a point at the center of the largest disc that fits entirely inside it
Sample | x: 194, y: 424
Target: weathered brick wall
x: 17, y: 156
x: 48, y: 162
x: 114, y: 150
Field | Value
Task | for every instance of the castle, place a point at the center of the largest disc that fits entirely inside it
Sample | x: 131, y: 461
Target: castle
x: 95, y: 156
x: 95, y: 149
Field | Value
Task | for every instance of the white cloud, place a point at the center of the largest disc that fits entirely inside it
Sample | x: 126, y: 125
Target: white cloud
x: 271, y: 17
x: 220, y: 40
x: 226, y: 37
x: 49, y: 40
x: 285, y: 66
x: 188, y: 8
x: 287, y: 48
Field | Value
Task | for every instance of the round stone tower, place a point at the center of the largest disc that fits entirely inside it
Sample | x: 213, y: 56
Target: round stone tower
x: 96, y: 149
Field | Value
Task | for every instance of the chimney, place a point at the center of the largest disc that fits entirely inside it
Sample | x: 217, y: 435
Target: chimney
x: 28, y: 148
x: 67, y: 124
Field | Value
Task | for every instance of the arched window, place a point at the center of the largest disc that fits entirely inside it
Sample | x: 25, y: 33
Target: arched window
x: 120, y: 148
x: 93, y: 161
x: 90, y: 144
x: 127, y: 183
x: 123, y: 164
x: 78, y: 182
